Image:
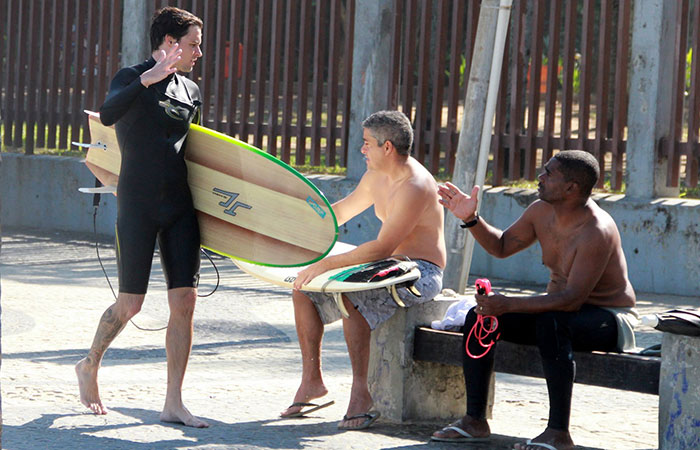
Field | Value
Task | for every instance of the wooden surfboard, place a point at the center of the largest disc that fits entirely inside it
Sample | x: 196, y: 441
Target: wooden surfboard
x: 251, y: 206
x: 390, y: 273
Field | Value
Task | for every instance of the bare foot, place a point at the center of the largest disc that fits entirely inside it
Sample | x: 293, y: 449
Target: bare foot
x: 181, y: 415
x: 87, y: 383
x: 477, y: 428
x: 559, y: 439
x: 305, y: 393
x: 359, y: 404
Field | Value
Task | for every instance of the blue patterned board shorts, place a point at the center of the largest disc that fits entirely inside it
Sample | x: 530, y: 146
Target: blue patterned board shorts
x: 377, y: 305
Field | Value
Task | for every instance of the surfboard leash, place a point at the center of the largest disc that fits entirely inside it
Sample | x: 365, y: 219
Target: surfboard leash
x: 95, y: 206
x: 484, y: 326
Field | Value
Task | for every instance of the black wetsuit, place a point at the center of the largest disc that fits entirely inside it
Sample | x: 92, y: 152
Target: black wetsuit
x: 153, y: 198
x: 557, y: 335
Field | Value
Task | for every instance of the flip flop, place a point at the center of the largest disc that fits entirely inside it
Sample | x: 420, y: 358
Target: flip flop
x: 312, y: 407
x: 540, y: 444
x: 370, y: 417
x: 465, y: 437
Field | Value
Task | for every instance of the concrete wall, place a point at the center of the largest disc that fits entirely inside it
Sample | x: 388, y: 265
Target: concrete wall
x: 661, y: 237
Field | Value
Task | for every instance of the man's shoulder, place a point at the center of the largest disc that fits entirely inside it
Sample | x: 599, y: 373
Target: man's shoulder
x: 192, y: 87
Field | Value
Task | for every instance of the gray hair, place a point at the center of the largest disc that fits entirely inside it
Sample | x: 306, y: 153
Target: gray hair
x: 392, y: 126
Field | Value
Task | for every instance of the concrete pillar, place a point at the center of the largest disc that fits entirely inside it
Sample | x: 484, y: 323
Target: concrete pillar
x: 0, y: 313
x: 370, y: 72
x: 136, y: 23
x: 679, y: 393
x: 651, y: 69
x: 470, y: 138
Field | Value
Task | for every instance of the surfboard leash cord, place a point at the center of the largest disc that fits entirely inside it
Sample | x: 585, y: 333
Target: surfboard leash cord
x: 484, y: 326
x: 95, y: 204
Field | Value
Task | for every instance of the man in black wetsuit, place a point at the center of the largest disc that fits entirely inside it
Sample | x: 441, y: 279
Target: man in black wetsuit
x: 152, y: 107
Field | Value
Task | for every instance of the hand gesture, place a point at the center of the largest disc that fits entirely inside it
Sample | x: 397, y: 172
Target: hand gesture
x: 463, y: 206
x: 165, y: 62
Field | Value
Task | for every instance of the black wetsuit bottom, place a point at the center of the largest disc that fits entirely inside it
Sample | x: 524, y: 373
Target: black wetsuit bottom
x: 178, y: 242
x: 557, y: 335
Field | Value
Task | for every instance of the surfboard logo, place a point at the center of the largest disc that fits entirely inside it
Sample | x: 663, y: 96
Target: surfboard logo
x: 230, y: 203
x: 315, y: 207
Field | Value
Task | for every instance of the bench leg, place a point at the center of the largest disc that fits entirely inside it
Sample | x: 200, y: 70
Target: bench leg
x: 404, y: 390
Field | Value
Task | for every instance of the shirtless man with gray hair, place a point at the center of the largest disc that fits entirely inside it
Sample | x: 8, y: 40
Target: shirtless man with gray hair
x: 404, y: 196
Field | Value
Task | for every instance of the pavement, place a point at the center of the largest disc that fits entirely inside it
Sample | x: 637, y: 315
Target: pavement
x: 244, y: 367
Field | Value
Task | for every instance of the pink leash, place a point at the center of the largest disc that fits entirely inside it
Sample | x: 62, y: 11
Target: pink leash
x: 484, y: 325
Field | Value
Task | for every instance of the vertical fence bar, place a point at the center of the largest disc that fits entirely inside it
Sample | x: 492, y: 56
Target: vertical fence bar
x: 302, y: 79
x: 455, y: 81
x: 4, y: 70
x: 248, y: 30
x: 602, y: 89
x: 585, y: 72
x: 408, y: 63
x: 691, y: 168
x: 64, y: 105
x: 319, y: 64
x: 223, y: 18
x: 288, y: 81
x: 420, y: 123
x: 42, y: 51
x: 92, y: 69
x: 620, y: 99
x: 350, y: 32
x: 436, y: 145
x: 75, y: 91
x: 676, y: 122
x: 234, y: 64
x: 54, y: 72
x: 568, y: 72
x: 263, y: 44
x: 533, y: 95
x: 552, y: 79
x: 516, y: 90
x: 32, y: 73
x: 275, y: 71
x: 395, y: 58
x: 333, y: 87
x: 20, y: 78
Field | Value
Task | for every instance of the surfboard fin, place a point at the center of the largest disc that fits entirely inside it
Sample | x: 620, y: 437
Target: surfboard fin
x: 395, y: 296
x: 338, y: 297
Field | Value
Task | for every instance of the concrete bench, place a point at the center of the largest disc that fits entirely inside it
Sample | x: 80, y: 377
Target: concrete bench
x: 415, y: 373
x: 612, y: 370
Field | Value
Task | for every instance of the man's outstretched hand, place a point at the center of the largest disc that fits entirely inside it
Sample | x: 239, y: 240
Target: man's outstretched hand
x: 463, y: 206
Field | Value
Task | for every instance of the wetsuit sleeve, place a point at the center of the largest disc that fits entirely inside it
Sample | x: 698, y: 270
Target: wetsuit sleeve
x: 124, y: 89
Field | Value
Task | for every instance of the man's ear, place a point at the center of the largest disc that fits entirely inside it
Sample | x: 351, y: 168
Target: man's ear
x: 388, y: 146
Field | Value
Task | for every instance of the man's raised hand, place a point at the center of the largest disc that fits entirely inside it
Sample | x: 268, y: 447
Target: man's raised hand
x: 165, y: 62
x: 463, y: 206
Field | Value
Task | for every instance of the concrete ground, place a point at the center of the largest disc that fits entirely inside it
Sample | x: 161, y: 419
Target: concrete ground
x: 244, y: 367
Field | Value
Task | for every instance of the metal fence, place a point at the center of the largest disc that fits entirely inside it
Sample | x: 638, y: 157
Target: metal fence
x: 278, y: 74
x: 681, y: 147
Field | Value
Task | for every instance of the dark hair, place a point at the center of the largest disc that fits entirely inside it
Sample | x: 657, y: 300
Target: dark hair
x: 580, y: 167
x: 171, y: 21
x: 392, y: 126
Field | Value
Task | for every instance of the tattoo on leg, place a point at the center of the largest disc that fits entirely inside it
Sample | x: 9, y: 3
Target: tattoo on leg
x: 110, y: 326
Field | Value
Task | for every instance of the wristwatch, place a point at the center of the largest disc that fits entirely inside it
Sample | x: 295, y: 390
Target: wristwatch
x: 471, y: 223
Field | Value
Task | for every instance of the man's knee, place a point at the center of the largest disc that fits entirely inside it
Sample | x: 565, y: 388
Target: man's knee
x: 128, y: 305
x: 182, y: 301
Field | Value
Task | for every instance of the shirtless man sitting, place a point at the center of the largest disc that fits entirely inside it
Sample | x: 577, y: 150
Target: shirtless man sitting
x: 404, y: 196
x: 587, y: 295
